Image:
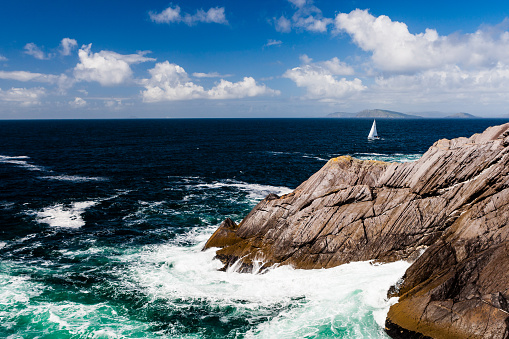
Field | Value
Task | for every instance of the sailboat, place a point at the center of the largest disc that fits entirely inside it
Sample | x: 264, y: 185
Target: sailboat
x: 373, y: 134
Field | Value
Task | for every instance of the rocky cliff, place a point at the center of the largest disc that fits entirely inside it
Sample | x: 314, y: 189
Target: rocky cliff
x: 448, y: 212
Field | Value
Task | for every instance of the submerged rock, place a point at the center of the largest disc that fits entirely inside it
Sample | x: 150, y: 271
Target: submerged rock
x: 451, y: 206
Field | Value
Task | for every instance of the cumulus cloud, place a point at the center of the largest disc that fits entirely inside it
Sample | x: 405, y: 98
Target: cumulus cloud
x: 106, y: 67
x: 33, y: 50
x: 306, y: 17
x: 322, y: 79
x: 65, y: 48
x: 462, y: 69
x: 174, y: 15
x: 67, y: 45
x: 23, y: 96
x: 78, y: 102
x: 395, y: 49
x: 235, y: 90
x: 171, y: 82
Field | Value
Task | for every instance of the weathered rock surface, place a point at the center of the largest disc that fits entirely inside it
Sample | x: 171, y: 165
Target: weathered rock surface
x: 451, y: 206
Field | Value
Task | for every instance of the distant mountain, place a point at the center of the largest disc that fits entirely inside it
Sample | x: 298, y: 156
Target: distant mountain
x: 462, y: 115
x: 384, y: 114
x: 374, y: 113
x: 341, y: 115
x: 429, y: 114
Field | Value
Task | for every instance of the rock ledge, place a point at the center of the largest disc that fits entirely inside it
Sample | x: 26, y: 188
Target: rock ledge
x: 447, y: 212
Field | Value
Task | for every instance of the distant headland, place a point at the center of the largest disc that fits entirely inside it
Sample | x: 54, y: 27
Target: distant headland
x: 386, y: 114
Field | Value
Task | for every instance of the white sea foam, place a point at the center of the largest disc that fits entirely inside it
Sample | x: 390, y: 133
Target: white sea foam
x: 6, y: 204
x: 315, y: 157
x: 23, y: 161
x: 72, y: 178
x: 64, y: 215
x: 255, y: 191
x: 348, y: 299
x: 14, y: 290
x: 20, y: 161
x: 18, y: 301
x: 304, y: 155
x: 146, y: 208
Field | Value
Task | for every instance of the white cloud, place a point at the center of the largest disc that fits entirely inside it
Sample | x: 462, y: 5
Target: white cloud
x: 170, y: 82
x: 428, y: 70
x: 2, y: 58
x: 283, y: 24
x: 449, y: 80
x: 236, y: 90
x: 213, y: 15
x: 311, y: 23
x: 23, y: 96
x: 305, y: 59
x: 210, y: 75
x: 300, y: 3
x: 114, y: 103
x: 167, y: 16
x: 67, y: 45
x: 106, y: 67
x: 78, y: 102
x: 321, y: 79
x: 62, y: 80
x: 395, y: 49
x: 306, y: 17
x: 33, y: 50
x: 272, y: 42
x: 173, y: 15
x: 28, y: 76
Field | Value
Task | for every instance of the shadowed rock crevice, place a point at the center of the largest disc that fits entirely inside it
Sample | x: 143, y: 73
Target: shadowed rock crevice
x: 453, y: 204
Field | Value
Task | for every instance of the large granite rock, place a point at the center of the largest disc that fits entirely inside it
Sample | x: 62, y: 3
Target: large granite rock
x: 449, y: 209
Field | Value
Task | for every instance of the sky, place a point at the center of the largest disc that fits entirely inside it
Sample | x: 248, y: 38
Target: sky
x: 66, y: 59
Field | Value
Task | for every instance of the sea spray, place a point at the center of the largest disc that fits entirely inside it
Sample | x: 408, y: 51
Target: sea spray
x: 345, y: 301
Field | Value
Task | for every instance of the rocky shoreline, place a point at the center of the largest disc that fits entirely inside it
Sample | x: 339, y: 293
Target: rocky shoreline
x: 447, y: 213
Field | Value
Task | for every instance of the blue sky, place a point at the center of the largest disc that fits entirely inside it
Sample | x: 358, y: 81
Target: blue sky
x: 279, y: 58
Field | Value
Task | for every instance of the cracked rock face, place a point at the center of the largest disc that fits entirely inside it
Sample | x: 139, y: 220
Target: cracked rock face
x: 452, y: 204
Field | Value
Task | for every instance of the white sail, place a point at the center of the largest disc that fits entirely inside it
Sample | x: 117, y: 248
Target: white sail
x: 373, y: 134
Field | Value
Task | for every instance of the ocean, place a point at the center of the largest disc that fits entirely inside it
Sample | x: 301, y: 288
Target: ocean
x: 102, y: 225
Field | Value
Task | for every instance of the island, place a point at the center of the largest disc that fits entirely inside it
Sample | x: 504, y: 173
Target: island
x: 373, y: 114
x: 461, y: 115
x: 447, y: 213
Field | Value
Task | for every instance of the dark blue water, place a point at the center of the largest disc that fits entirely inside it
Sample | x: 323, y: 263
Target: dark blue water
x: 99, y: 217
